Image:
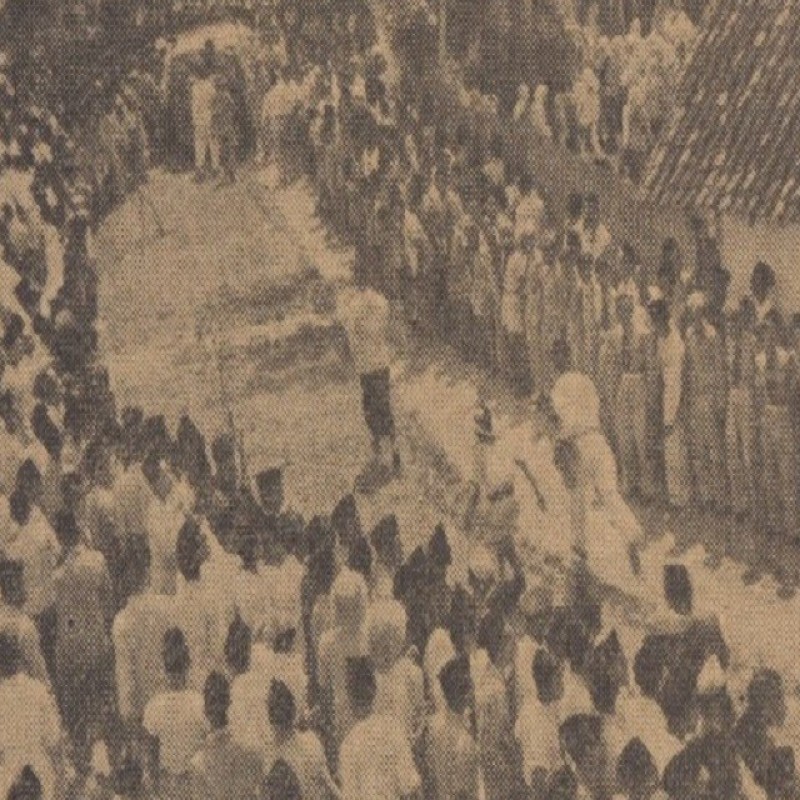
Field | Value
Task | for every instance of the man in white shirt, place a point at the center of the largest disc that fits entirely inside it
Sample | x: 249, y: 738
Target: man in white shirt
x: 301, y: 750
x: 175, y: 721
x: 539, y: 719
x: 31, y: 731
x: 375, y: 760
x: 138, y: 636
x: 14, y: 621
x: 365, y: 316
x: 166, y: 514
x: 206, y: 145
x: 33, y: 543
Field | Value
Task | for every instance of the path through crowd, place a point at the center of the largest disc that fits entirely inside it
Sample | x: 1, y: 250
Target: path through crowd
x: 210, y: 319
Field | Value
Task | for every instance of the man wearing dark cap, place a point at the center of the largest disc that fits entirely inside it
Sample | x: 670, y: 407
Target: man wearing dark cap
x: 451, y: 752
x: 375, y: 759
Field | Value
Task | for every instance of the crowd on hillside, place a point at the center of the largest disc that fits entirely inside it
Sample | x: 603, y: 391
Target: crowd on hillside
x: 624, y: 89
x: 169, y: 630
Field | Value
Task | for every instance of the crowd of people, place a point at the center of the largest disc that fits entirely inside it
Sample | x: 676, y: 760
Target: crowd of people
x: 624, y: 89
x: 169, y: 629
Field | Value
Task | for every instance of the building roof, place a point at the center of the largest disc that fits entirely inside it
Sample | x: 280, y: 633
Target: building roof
x: 733, y: 141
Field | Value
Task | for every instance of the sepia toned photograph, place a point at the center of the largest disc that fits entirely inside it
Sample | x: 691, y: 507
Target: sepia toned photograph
x: 399, y: 399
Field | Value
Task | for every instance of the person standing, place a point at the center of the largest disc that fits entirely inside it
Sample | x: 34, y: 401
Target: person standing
x: 223, y: 127
x: 630, y: 403
x: 707, y: 397
x: 348, y: 638
x: 740, y: 432
x: 515, y: 281
x: 14, y: 620
x: 775, y: 366
x: 222, y: 768
x: 84, y: 654
x: 34, y: 546
x: 300, y: 749
x: 138, y: 634
x: 366, y: 321
x: 30, y: 736
x: 451, y: 752
x: 671, y: 358
x: 206, y: 145
x: 375, y: 759
x: 175, y: 723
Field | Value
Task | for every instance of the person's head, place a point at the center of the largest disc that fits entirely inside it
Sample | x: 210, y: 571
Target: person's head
x: 561, y: 356
x: 762, y: 281
x: 68, y: 534
x: 176, y: 658
x: 349, y: 600
x: 637, y: 773
x: 128, y: 779
x: 99, y: 459
x: 223, y: 451
x: 238, y: 646
x: 29, y: 480
x: 659, y: 316
x: 492, y: 635
x: 138, y: 564
x: 385, y: 539
x: 581, y: 738
x: 27, y: 786
x: 678, y: 589
x: 281, y: 783
x: 548, y: 676
x: 322, y: 570
x: 19, y: 504
x: 359, y: 559
x: 12, y: 583
x: 566, y: 459
x: 387, y: 633
x: 281, y: 708
x: 217, y: 700
x: 361, y: 685
x: 625, y: 306
x: 747, y: 314
x: 591, y: 211
x: 46, y: 431
x: 10, y: 655
x: 190, y: 550
x: 574, y: 207
x: 345, y: 521
x: 456, y: 683
x: 155, y: 470
x: 766, y: 697
x: 440, y: 556
x: 284, y: 636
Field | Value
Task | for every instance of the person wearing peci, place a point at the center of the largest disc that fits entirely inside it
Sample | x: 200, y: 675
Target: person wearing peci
x: 222, y: 768
x: 375, y: 760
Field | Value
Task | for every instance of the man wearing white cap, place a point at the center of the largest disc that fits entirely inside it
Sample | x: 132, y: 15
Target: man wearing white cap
x: 706, y: 393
